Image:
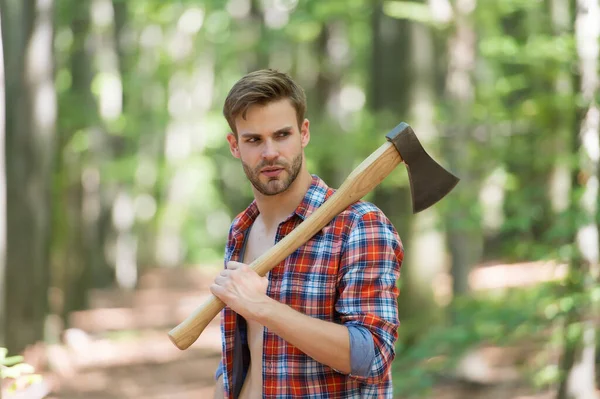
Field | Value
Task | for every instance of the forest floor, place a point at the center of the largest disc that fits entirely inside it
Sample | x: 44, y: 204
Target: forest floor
x: 119, y: 349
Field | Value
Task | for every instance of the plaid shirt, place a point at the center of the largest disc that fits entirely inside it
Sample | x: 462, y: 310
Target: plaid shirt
x: 345, y: 274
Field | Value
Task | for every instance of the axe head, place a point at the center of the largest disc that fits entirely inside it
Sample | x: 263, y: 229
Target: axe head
x: 429, y: 182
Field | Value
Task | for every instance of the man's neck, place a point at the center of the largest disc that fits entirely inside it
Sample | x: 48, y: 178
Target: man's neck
x: 275, y: 208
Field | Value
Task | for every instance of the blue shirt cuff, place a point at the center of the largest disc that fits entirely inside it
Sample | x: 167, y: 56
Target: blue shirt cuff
x: 362, y: 351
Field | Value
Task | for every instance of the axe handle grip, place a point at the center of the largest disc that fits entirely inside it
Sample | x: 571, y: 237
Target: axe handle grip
x: 363, y: 179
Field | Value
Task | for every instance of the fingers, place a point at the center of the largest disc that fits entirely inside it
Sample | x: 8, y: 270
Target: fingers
x: 228, y: 275
x: 232, y: 265
x: 235, y: 270
x: 264, y: 283
x: 217, y: 290
x: 220, y: 280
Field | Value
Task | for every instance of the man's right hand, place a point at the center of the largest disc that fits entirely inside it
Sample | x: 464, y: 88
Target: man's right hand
x: 219, y: 390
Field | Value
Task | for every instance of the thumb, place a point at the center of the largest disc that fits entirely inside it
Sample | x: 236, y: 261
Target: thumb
x: 265, y: 282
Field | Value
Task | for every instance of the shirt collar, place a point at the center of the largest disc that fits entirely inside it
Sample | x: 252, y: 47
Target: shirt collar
x: 315, y: 196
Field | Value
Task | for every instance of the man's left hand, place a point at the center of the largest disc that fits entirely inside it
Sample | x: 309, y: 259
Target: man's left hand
x: 242, y: 289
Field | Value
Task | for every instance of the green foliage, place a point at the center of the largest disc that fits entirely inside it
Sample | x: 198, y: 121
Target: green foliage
x: 502, y: 319
x: 12, y: 367
x: 412, y: 10
x: 530, y: 317
x: 515, y: 109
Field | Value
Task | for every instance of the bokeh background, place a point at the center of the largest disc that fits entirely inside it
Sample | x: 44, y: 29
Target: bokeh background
x: 118, y: 188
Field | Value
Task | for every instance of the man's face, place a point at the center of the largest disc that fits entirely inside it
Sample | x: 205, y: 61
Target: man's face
x: 270, y: 146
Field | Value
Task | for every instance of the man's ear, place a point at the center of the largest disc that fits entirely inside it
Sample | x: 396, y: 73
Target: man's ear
x: 233, y: 145
x: 305, y: 133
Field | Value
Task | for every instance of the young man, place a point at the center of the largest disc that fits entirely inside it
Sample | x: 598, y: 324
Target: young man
x: 323, y: 323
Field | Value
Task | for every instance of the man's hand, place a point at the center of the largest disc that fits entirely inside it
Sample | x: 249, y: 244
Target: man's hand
x: 242, y: 289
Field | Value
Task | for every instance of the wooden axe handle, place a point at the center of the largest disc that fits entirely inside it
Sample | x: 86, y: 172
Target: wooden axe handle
x: 363, y: 179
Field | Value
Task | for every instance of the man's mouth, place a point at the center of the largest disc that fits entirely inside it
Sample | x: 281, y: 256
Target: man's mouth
x: 271, y: 172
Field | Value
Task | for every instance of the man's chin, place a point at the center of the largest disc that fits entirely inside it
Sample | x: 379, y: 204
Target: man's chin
x: 271, y: 191
x: 271, y: 188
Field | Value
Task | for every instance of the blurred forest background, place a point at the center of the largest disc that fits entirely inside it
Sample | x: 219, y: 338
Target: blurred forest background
x: 118, y: 187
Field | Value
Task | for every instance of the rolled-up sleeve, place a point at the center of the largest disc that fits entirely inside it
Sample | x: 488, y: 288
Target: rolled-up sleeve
x: 361, y: 350
x: 219, y: 371
x: 369, y: 269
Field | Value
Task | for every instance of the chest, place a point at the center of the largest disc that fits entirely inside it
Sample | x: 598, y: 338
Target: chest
x: 257, y: 243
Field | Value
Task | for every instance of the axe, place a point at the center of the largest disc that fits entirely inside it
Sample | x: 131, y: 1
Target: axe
x: 429, y: 183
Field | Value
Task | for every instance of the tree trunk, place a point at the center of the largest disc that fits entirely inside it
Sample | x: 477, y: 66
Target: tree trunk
x: 96, y: 211
x: 388, y: 98
x: 99, y: 196
x: 71, y: 267
x: 126, y: 241
x: 391, y: 79
x: 426, y: 250
x: 560, y: 178
x: 27, y: 33
x: 2, y: 201
x: 326, y: 106
x: 408, y: 88
x: 465, y: 240
x: 578, y: 361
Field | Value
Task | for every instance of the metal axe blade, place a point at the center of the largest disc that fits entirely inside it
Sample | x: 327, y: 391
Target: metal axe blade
x: 429, y: 182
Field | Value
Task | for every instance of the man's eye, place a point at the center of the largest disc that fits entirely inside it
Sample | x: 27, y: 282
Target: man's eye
x: 283, y: 134
x: 252, y: 140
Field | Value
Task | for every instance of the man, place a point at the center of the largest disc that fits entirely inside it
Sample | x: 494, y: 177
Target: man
x: 323, y: 323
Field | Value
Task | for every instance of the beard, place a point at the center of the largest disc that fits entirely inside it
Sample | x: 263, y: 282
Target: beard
x: 275, y: 185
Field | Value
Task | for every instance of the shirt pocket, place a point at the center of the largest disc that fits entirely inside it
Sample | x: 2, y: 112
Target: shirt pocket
x: 311, y: 291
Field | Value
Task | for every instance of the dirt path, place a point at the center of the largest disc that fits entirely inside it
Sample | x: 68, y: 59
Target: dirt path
x: 148, y: 366
x: 119, y: 349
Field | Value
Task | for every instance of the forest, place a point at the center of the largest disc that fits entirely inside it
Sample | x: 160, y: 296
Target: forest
x: 118, y: 188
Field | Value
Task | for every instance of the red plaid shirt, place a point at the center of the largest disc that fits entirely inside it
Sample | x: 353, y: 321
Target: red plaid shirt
x: 345, y: 274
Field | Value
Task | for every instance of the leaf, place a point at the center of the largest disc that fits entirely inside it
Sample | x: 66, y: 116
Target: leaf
x: 418, y: 12
x: 10, y: 361
x: 17, y: 371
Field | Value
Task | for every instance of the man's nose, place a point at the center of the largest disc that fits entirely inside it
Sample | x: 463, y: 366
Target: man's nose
x: 270, y: 151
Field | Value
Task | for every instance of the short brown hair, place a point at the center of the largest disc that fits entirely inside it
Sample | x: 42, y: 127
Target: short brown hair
x: 260, y: 88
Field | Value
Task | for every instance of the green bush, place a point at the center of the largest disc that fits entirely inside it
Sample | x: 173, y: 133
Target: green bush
x: 15, y: 369
x: 502, y: 319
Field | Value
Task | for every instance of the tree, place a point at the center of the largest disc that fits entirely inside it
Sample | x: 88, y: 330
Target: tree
x: 77, y: 252
x: 405, y: 75
x: 27, y: 38
x: 2, y: 204
x: 464, y: 235
x: 579, y: 358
